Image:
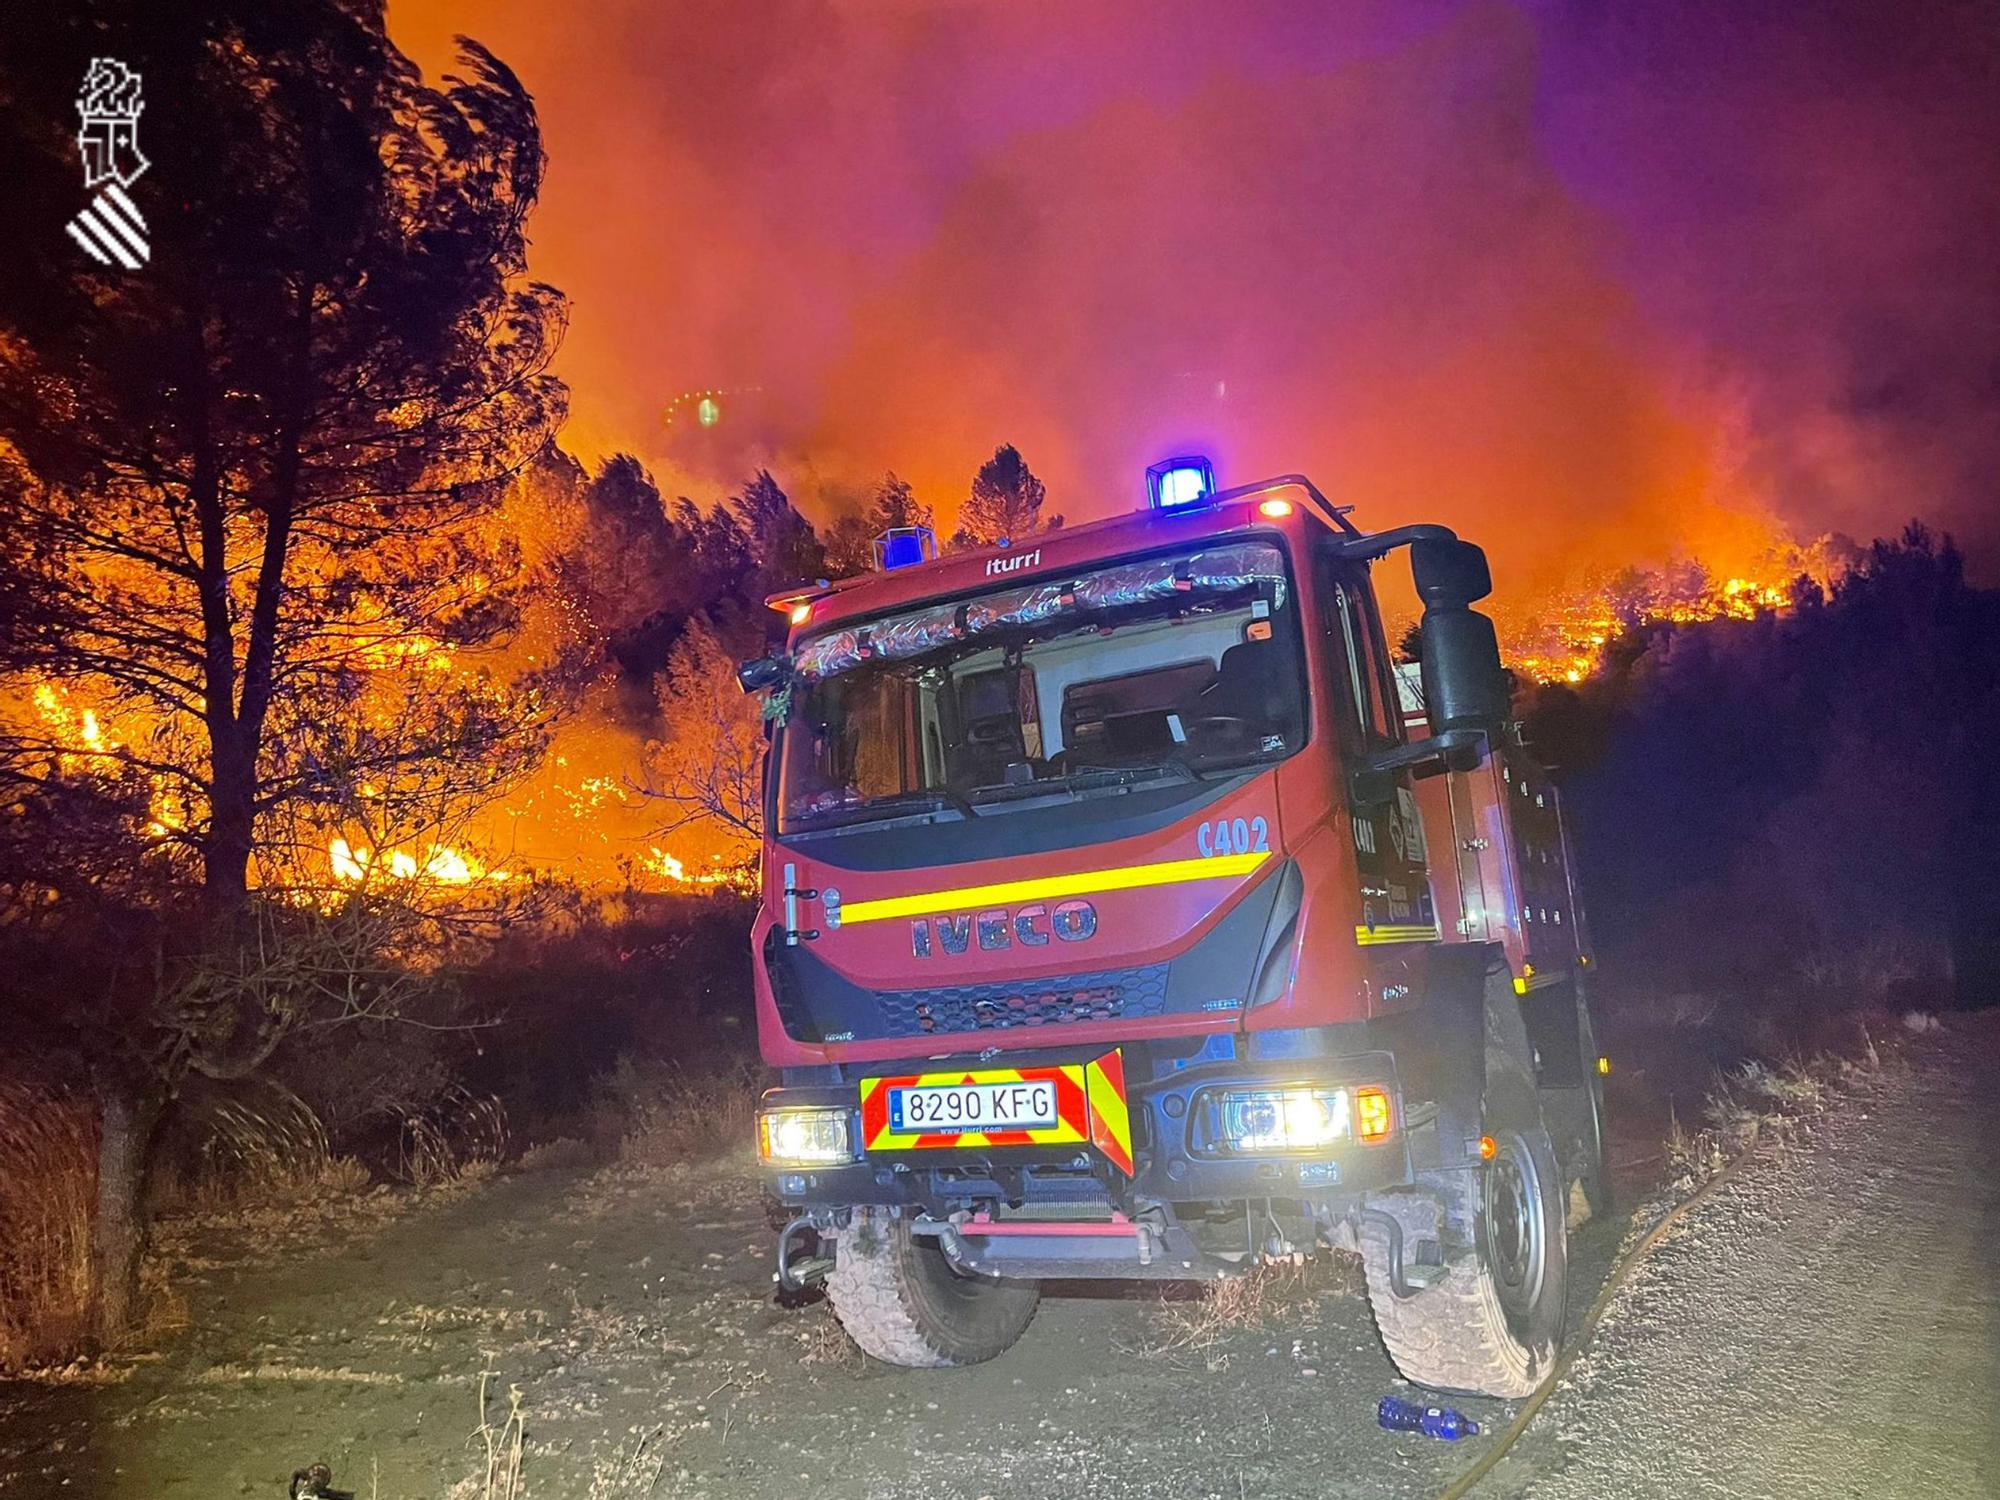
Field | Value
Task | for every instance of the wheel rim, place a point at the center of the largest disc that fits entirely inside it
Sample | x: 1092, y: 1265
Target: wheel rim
x: 1516, y: 1225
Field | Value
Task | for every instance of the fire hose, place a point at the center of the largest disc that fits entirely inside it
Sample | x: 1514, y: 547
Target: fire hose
x: 1620, y: 1272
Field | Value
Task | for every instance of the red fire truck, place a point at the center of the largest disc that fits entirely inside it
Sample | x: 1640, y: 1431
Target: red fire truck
x: 1126, y: 914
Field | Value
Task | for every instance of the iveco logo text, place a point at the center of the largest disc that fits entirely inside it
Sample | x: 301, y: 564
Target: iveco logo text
x: 1071, y: 921
x: 1013, y: 564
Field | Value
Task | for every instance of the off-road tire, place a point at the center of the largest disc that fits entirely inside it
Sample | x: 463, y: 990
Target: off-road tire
x: 1468, y: 1332
x: 901, y: 1301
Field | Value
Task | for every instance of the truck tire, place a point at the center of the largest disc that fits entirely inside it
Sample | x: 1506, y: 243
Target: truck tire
x: 1492, y: 1324
x: 902, y: 1301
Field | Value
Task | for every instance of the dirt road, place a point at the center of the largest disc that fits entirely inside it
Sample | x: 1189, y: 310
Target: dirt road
x: 1826, y: 1327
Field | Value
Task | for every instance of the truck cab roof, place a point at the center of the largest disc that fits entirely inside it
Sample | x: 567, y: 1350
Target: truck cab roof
x: 1290, y: 502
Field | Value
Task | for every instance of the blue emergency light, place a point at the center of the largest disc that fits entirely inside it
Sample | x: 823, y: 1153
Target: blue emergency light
x: 1176, y: 482
x: 904, y: 547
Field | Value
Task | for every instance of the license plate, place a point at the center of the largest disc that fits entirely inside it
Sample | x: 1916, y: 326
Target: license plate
x: 959, y: 1109
x: 1027, y: 1105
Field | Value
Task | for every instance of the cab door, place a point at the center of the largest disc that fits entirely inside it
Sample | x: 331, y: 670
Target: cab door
x: 1391, y: 849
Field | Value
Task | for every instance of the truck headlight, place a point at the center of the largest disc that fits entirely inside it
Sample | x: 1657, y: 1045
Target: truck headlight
x: 1285, y: 1118
x: 809, y: 1136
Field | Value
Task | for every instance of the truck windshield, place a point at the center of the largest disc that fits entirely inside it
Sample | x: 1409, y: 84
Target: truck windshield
x: 1181, y: 665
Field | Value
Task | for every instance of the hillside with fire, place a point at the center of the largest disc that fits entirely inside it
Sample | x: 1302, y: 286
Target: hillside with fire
x: 1287, y: 656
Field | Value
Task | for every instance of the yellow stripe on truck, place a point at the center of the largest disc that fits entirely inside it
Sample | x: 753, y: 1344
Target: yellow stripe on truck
x: 1052, y: 887
x: 1368, y: 936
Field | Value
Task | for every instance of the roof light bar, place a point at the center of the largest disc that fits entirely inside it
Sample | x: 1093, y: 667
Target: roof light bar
x: 1177, y: 482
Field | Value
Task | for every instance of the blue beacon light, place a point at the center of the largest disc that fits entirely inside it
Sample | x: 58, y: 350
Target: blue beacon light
x: 1177, y: 482
x: 904, y: 547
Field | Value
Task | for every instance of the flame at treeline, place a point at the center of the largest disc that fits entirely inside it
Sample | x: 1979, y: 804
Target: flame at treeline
x: 1562, y: 636
x: 582, y: 816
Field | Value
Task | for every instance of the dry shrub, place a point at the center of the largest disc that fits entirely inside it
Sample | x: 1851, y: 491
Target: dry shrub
x: 1884, y: 970
x: 48, y: 1187
x: 272, y: 1151
x: 564, y: 1154
x: 822, y: 1341
x: 1277, y: 1291
x: 665, y: 1116
x: 1668, y: 1010
x: 460, y: 1138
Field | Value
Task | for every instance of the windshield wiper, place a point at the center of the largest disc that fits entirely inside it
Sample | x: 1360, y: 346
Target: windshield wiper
x: 1124, y: 775
x: 1089, y: 779
x: 931, y: 799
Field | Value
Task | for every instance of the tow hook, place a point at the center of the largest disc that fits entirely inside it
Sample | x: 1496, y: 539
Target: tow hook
x: 798, y: 1276
x: 1392, y: 1229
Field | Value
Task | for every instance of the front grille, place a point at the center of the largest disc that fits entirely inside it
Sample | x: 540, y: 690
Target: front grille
x: 1106, y: 995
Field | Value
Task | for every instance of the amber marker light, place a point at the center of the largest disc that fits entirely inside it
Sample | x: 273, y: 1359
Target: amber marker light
x: 1371, y: 1114
x: 801, y: 613
x: 1277, y: 510
x: 1488, y: 1148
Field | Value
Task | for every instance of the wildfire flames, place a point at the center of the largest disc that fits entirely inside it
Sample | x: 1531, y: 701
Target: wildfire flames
x: 676, y: 871
x: 1563, y: 639
x: 440, y: 863
x: 580, y: 817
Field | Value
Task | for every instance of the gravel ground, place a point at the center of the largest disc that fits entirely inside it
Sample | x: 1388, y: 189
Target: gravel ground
x: 634, y: 1311
x: 1825, y: 1326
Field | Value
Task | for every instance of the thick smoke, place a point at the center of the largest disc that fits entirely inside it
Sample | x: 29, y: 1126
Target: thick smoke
x: 1594, y: 282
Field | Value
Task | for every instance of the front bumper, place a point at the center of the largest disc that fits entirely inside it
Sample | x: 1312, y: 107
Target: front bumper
x: 1170, y: 1119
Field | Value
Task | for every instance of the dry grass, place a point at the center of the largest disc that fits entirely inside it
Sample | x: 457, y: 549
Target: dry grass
x: 635, y: 1468
x: 822, y: 1341
x: 461, y: 1138
x: 672, y: 1115
x: 1756, y: 1103
x: 275, y: 1151
x: 505, y: 1446
x: 48, y: 1187
x: 1275, y: 1292
x: 1875, y: 972
x: 564, y: 1154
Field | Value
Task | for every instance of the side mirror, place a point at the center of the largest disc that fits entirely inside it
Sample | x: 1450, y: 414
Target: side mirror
x: 1449, y: 573
x: 1465, y: 687
x: 765, y: 672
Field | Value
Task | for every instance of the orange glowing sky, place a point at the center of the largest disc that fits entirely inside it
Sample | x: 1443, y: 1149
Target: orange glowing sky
x: 1593, y: 289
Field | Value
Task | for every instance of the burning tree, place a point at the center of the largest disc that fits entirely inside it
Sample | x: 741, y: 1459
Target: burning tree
x: 708, y: 762
x: 1005, y: 504
x: 255, y: 475
x: 248, y: 494
x: 850, y: 540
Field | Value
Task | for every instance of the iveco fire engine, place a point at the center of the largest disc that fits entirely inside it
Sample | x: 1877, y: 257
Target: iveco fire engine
x: 1128, y: 913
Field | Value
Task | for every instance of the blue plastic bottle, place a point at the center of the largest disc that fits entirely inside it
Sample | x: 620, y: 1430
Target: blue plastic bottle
x: 1399, y: 1415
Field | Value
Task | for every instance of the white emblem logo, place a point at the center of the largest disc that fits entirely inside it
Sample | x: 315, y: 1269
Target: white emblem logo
x: 111, y: 230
